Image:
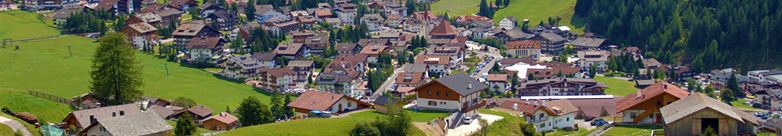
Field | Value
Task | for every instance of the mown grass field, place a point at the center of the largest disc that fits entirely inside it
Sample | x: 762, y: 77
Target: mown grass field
x: 20, y: 25
x: 541, y: 10
x: 307, y: 127
x: 422, y: 116
x: 6, y: 130
x: 632, y: 130
x: 617, y: 87
x: 456, y: 7
x: 45, y: 110
x: 30, y: 127
x: 45, y: 66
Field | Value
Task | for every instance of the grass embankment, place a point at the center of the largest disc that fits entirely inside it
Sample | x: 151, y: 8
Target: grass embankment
x: 20, y: 25
x: 456, y: 7
x: 30, y: 127
x: 5, y: 130
x: 46, y: 66
x: 308, y: 127
x: 45, y: 110
x: 633, y: 130
x: 540, y: 10
x: 422, y: 116
x: 617, y: 87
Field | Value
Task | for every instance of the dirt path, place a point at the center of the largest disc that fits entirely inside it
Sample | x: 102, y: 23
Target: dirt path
x: 15, y: 125
x: 428, y: 129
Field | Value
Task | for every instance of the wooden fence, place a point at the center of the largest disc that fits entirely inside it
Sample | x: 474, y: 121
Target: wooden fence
x: 55, y: 98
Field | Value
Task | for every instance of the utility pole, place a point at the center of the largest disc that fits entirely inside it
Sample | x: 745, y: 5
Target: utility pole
x: 166, y: 68
x: 69, y: 50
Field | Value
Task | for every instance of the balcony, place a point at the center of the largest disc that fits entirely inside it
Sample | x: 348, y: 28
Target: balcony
x: 473, y: 107
x: 544, y: 119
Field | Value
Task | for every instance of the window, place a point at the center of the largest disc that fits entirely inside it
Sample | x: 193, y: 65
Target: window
x: 432, y: 103
x: 447, y: 93
x: 438, y: 93
x: 430, y: 92
x: 567, y: 119
x: 632, y: 114
x: 349, y: 104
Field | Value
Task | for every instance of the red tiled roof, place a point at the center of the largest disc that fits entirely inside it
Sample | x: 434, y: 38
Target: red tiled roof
x: 413, y: 77
x: 497, y: 77
x: 204, y: 43
x: 223, y: 117
x: 277, y: 72
x: 443, y: 29
x: 648, y: 93
x: 316, y: 100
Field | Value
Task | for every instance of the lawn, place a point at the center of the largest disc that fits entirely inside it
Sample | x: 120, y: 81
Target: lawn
x: 740, y: 104
x: 30, y: 127
x: 422, y: 116
x: 5, y: 130
x: 45, y: 66
x: 617, y: 87
x: 199, y: 130
x: 456, y: 7
x: 45, y: 110
x: 20, y: 25
x: 493, y: 112
x: 633, y: 130
x: 505, y: 127
x: 540, y: 10
x: 306, y: 127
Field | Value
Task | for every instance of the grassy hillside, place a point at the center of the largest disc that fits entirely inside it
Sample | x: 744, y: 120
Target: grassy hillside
x: 617, y: 87
x: 45, y: 110
x: 307, y: 127
x: 456, y: 7
x: 6, y: 130
x: 46, y: 66
x: 541, y: 10
x: 422, y: 116
x: 21, y: 25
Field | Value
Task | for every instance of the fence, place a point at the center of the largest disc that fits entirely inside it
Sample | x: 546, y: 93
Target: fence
x: 55, y: 98
x: 601, y: 130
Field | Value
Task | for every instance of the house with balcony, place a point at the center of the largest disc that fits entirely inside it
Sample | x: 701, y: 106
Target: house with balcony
x: 436, y: 64
x: 303, y: 70
x: 643, y: 107
x: 141, y: 35
x: 185, y: 32
x: 411, y: 79
x: 225, y: 20
x: 266, y: 12
x: 545, y: 115
x: 291, y: 50
x: 267, y: 59
x: 598, y: 58
x: 244, y: 66
x: 324, y: 101
x: 374, y: 51
x: 348, y: 48
x: 551, y: 42
x: 560, y: 86
x: 39, y: 5
x: 334, y: 83
x: 346, y: 13
x: 509, y: 22
x: 456, y: 92
x: 498, y: 82
x: 275, y: 78
x: 374, y: 22
x: 207, y: 49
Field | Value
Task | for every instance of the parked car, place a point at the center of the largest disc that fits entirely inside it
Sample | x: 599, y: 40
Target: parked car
x: 598, y: 122
x: 467, y: 120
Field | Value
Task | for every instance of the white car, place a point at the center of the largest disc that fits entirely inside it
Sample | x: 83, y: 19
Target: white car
x: 467, y: 120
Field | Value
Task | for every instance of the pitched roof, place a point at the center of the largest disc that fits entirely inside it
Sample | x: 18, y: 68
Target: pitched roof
x: 161, y: 111
x: 497, y: 77
x: 204, y: 43
x: 596, y: 107
x: 144, y: 123
x: 651, y: 62
x: 317, y: 100
x: 346, y: 47
x: 697, y: 102
x: 409, y: 77
x: 300, y: 63
x: 105, y: 5
x: 462, y: 84
x: 511, y: 18
x: 277, y: 72
x: 443, y: 29
x: 83, y: 116
x: 188, y: 29
x: 383, y: 100
x: 433, y: 59
x: 415, y: 68
x: 288, y: 48
x: 648, y: 93
x: 262, y: 9
x: 264, y: 56
x: 553, y: 108
x: 66, y: 11
x: 201, y: 110
x: 552, y: 37
x: 142, y: 27
x: 373, y: 49
x: 588, y: 42
x: 223, y: 14
x: 222, y: 117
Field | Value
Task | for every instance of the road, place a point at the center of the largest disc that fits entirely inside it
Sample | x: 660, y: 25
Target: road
x: 390, y: 81
x: 497, y: 57
x: 15, y: 125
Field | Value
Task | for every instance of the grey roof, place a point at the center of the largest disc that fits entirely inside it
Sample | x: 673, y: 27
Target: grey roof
x: 651, y: 62
x: 462, y: 84
x: 83, y: 116
x: 410, y: 67
x: 588, y: 42
x: 389, y: 34
x: 245, y: 61
x: 66, y: 11
x: 511, y: 18
x: 645, y: 82
x: 264, y: 56
x: 332, y: 78
x: 346, y: 47
x: 300, y: 63
x: 773, y: 123
x: 590, y: 55
x: 552, y: 37
x: 383, y: 100
x: 161, y: 111
x: 144, y: 123
x: 697, y: 102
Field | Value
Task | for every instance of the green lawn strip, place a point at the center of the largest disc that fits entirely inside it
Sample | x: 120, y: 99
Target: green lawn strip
x: 45, y: 110
x: 493, y: 112
x: 632, y: 130
x: 21, y: 25
x: 307, y: 127
x: 587, y: 132
x: 65, y: 76
x: 617, y: 87
x: 5, y: 130
x: 740, y: 104
x: 30, y: 127
x: 456, y: 7
x: 540, y: 10
x: 505, y: 127
x: 199, y: 130
x: 421, y: 116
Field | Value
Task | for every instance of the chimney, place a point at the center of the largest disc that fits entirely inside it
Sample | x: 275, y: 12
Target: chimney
x: 527, y: 101
x: 469, y: 84
x: 665, y: 85
x: 536, y: 103
x: 544, y: 103
x: 92, y: 119
x: 638, y: 94
x: 515, y: 106
x: 121, y: 112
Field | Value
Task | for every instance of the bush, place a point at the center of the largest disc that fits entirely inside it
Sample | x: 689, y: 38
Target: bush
x: 6, y: 110
x: 364, y: 129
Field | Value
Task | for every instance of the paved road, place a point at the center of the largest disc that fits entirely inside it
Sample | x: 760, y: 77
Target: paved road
x: 15, y: 125
x: 469, y: 129
x: 497, y: 56
x: 390, y: 81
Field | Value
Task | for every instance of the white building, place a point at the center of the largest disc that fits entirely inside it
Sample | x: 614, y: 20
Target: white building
x: 347, y: 13
x: 545, y: 115
x: 509, y: 22
x: 456, y: 92
x: 598, y: 58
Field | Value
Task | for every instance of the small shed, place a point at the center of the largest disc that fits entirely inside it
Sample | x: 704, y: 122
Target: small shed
x: 382, y: 102
x: 693, y: 114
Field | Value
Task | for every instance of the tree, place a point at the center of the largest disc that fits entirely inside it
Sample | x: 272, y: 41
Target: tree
x: 709, y: 132
x: 364, y: 129
x: 498, y: 3
x: 116, y: 74
x: 592, y: 71
x: 530, y: 76
x: 733, y: 85
x: 528, y: 129
x: 727, y: 96
x: 483, y: 123
x: 410, y: 4
x: 250, y: 11
x: 185, y: 125
x: 119, y: 23
x: 690, y: 84
x: 289, y: 112
x: 253, y: 112
x: 514, y: 81
x: 483, y: 9
x: 559, y: 74
x: 506, y: 3
x: 184, y: 102
x: 277, y: 107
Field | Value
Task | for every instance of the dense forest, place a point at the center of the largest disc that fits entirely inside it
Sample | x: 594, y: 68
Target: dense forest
x: 703, y: 34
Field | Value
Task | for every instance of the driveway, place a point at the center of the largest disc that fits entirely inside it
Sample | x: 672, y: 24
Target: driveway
x: 465, y: 130
x: 15, y: 125
x: 584, y: 124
